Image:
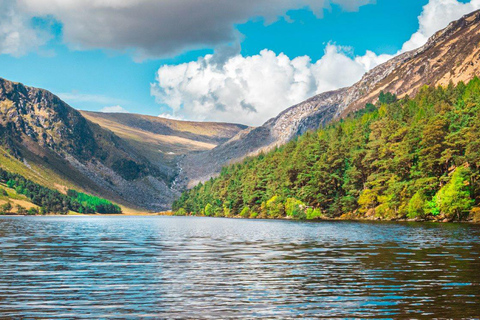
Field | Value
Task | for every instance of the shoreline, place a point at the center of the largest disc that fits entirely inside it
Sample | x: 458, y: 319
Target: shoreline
x: 169, y: 214
x: 339, y: 219
x: 130, y: 214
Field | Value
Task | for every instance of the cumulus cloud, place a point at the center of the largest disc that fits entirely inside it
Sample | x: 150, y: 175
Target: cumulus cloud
x: 436, y: 15
x: 114, y: 109
x: 17, y: 34
x: 163, y: 28
x: 253, y: 89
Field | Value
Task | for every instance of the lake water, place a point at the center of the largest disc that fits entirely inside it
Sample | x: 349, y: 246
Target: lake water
x: 180, y: 267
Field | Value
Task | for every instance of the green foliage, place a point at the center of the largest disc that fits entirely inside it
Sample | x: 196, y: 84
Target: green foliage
x: 393, y: 159
x: 94, y: 204
x: 313, y: 214
x: 52, y: 200
x: 295, y: 208
x: 180, y: 212
x: 454, y: 198
x: 3, y: 192
x: 431, y: 207
x: 11, y: 183
x: 274, y: 207
x: 245, y: 213
x: 387, y: 98
x: 416, y: 206
x: 6, y: 208
x: 209, y: 210
x: 21, y: 210
x: 32, y: 211
x: 226, y: 212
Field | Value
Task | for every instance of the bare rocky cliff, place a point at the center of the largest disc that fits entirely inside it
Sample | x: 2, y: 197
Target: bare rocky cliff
x: 452, y: 54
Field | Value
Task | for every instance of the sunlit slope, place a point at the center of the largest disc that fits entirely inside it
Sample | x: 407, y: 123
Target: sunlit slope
x: 15, y: 203
x: 162, y: 140
x: 43, y: 138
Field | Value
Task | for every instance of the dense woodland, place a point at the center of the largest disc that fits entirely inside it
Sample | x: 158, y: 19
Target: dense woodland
x: 400, y: 158
x: 52, y: 201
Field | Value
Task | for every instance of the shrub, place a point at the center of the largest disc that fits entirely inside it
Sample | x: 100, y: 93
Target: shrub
x: 208, y: 210
x: 6, y: 208
x: 431, y: 207
x: 32, y: 211
x: 226, y: 212
x: 180, y: 212
x: 454, y: 198
x: 21, y: 210
x: 416, y: 206
x: 275, y: 207
x: 245, y: 213
x: 295, y: 208
x: 312, y: 214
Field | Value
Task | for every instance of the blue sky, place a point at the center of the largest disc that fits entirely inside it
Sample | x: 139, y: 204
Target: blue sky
x: 93, y: 77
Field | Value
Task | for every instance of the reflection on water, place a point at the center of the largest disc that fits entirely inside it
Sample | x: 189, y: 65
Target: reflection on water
x: 177, y: 267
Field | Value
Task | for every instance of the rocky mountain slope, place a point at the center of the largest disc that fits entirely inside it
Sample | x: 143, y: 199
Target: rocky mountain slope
x: 164, y: 141
x: 452, y: 54
x: 125, y: 158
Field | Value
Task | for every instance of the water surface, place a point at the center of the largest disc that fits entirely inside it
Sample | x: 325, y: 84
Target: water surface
x: 178, y: 267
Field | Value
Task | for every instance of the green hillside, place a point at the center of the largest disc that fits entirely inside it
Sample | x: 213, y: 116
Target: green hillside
x: 411, y: 158
x: 22, y: 196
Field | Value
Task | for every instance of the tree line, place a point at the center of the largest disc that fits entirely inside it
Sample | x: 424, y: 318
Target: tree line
x: 412, y: 158
x: 52, y: 201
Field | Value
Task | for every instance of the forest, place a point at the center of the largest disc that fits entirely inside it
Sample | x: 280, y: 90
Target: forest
x: 409, y: 158
x: 52, y: 201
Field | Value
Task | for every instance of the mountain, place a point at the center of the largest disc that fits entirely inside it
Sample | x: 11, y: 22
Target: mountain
x: 452, y: 54
x: 162, y: 140
x: 413, y: 158
x: 125, y: 158
x: 143, y: 162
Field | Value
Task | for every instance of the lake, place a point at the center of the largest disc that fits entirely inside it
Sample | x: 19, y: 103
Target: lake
x: 192, y: 267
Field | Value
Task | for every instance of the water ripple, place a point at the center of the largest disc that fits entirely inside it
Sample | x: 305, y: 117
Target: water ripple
x: 169, y: 267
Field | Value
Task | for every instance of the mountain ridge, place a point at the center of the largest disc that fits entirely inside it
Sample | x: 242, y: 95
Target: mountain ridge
x: 50, y: 142
x: 459, y: 40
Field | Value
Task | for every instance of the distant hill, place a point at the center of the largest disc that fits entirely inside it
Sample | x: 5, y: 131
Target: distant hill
x: 162, y: 140
x: 129, y: 159
x: 452, y: 54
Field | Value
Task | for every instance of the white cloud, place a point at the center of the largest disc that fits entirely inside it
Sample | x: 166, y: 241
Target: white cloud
x: 17, y: 35
x: 114, y: 109
x: 162, y: 28
x: 436, y: 15
x: 170, y: 116
x: 253, y: 89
